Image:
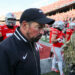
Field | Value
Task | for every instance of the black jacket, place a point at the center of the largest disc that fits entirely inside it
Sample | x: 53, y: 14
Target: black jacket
x: 18, y: 56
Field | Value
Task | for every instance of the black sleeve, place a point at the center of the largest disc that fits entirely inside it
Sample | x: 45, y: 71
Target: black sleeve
x: 4, y: 63
x: 1, y: 39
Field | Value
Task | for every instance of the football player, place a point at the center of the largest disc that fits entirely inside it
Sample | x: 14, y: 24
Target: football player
x: 57, y: 42
x: 8, y: 29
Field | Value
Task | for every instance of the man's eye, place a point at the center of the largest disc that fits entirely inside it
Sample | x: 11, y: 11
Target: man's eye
x: 39, y: 27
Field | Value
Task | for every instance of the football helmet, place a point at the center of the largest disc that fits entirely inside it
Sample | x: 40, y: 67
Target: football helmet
x: 59, y: 24
x: 10, y: 19
x: 72, y: 25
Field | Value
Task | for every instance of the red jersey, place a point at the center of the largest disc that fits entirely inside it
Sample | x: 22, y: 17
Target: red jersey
x: 59, y: 35
x: 68, y: 25
x: 6, y: 32
x: 51, y: 29
x: 0, y: 31
x: 69, y: 33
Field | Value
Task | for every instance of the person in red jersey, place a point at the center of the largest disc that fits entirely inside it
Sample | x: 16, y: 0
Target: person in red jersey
x: 57, y: 43
x: 8, y: 29
x: 69, y: 31
x: 51, y: 29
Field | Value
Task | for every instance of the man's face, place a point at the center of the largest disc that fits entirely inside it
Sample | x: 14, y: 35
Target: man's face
x: 35, y: 31
x: 11, y: 22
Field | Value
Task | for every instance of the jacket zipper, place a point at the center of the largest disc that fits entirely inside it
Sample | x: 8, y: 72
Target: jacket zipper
x: 34, y: 57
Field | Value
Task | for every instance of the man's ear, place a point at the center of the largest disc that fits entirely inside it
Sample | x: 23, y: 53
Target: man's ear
x: 24, y: 24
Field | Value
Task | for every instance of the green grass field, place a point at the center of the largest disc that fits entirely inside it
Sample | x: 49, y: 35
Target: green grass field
x: 45, y: 39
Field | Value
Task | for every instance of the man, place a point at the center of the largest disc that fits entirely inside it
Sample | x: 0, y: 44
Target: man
x: 56, y: 38
x: 71, y: 51
x: 69, y: 48
x: 69, y: 31
x: 18, y: 55
x: 9, y: 28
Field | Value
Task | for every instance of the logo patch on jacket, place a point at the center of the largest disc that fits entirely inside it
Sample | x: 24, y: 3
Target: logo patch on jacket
x: 24, y: 57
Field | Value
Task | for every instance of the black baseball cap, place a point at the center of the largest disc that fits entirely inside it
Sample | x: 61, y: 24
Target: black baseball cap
x: 36, y: 15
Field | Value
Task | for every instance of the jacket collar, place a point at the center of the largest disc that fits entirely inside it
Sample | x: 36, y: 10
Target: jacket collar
x: 19, y: 35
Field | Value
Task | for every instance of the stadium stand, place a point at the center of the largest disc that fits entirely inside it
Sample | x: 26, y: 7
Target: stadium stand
x: 57, y: 5
x: 58, y: 10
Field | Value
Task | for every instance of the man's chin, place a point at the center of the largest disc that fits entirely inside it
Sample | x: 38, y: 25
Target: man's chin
x: 35, y: 40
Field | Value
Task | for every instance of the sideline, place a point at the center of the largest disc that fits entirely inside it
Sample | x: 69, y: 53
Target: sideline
x: 45, y: 65
x: 44, y: 43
